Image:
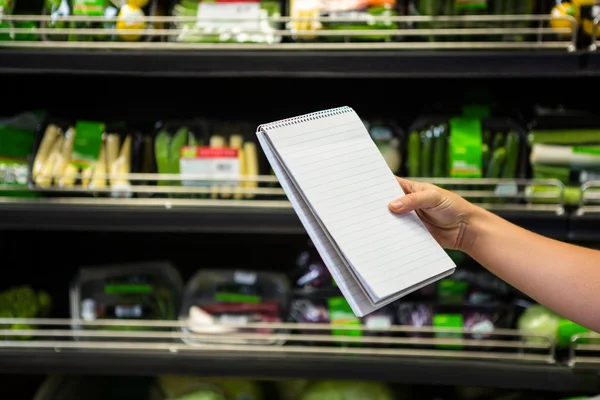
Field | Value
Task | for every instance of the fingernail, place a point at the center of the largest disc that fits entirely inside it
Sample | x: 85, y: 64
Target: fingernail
x: 396, y: 204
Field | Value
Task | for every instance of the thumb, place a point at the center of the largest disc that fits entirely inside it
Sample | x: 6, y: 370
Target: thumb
x: 415, y: 201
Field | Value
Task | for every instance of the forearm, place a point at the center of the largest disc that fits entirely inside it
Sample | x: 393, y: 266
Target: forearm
x: 564, y: 277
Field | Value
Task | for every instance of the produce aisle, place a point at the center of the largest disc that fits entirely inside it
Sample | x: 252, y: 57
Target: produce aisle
x: 149, y: 252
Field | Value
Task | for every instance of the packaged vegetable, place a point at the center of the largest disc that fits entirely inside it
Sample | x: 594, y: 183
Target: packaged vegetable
x: 250, y: 21
x: 143, y: 291
x: 473, y: 7
x: 482, y: 319
x: 357, y: 11
x: 347, y: 390
x: 323, y: 307
x: 215, y: 299
x: 17, y: 135
x: 90, y: 149
x: 192, y: 388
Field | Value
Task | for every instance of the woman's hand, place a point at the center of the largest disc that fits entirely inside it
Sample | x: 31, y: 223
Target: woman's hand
x: 445, y: 214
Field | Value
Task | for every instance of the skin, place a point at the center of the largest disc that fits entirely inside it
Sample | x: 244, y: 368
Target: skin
x: 561, y: 276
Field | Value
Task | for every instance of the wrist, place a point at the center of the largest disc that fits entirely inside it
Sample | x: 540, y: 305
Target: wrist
x: 477, y: 219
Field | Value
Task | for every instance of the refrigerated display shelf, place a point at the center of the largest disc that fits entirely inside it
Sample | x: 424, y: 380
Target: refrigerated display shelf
x: 180, y: 215
x: 411, y: 370
x: 295, y: 63
x: 502, y: 358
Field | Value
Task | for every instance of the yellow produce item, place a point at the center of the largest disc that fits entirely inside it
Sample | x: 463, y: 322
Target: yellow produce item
x: 236, y: 142
x: 216, y: 141
x: 579, y: 3
x: 588, y: 27
x: 68, y: 178
x: 251, y: 157
x: 86, y: 176
x: 44, y: 178
x: 112, y: 152
x: 137, y: 3
x: 122, y: 166
x: 562, y: 10
x: 64, y: 158
x: 99, y: 179
x: 130, y: 17
x: 52, y: 132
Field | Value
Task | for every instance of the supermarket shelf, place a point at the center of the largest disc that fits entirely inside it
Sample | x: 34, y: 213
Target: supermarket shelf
x: 411, y: 370
x: 188, y: 207
x: 502, y: 359
x: 147, y: 215
x: 292, y: 63
x: 583, y: 226
x: 180, y: 215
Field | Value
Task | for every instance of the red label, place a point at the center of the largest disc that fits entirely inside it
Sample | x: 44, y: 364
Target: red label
x: 208, y: 152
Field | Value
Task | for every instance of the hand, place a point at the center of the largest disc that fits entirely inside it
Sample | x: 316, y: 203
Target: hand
x: 445, y: 214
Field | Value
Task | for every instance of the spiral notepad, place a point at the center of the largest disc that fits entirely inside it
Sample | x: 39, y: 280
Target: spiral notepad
x: 340, y: 185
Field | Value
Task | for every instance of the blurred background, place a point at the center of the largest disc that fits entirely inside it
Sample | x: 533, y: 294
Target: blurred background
x: 149, y: 252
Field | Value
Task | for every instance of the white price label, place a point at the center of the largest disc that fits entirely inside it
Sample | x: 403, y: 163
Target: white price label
x: 508, y: 189
x: 378, y: 321
x: 213, y: 163
x: 244, y: 278
x: 127, y: 312
x: 233, y: 319
x: 242, y: 17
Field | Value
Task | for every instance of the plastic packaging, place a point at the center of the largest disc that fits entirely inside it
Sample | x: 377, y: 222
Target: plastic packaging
x: 191, y: 388
x: 325, y: 307
x: 473, y: 7
x: 74, y: 155
x: 249, y: 21
x: 17, y: 136
x: 223, y: 151
x: 481, y: 318
x: 215, y: 298
x: 127, y: 13
x: 143, y: 291
x: 359, y: 11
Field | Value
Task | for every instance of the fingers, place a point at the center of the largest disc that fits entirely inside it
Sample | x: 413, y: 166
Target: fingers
x: 406, y: 185
x: 415, y: 201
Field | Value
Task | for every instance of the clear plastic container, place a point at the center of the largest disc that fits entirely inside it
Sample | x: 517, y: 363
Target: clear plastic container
x: 140, y: 291
x: 214, y: 299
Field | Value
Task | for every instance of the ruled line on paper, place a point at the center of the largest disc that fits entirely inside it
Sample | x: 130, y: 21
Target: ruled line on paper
x: 334, y: 179
x: 343, y: 278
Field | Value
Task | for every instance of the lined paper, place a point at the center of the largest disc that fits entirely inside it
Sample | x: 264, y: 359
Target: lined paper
x: 340, y: 185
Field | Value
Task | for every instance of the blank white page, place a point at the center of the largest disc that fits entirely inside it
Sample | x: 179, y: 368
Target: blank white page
x: 347, y: 184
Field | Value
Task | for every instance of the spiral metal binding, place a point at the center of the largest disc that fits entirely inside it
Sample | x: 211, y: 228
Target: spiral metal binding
x: 305, y: 118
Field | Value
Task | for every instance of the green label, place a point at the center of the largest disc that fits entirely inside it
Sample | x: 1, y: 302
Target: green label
x: 15, y: 142
x: 451, y: 291
x: 470, y: 4
x: 237, y: 298
x: 566, y: 330
x: 592, y: 150
x: 121, y: 289
x: 340, y: 313
x: 87, y: 142
x: 88, y: 7
x: 465, y: 148
x: 448, y: 321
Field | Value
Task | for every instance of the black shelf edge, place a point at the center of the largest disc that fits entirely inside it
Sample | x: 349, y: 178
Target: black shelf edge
x: 495, y: 374
x: 296, y: 63
x: 584, y: 228
x: 593, y: 63
x: 148, y: 219
x: 547, y: 224
x: 133, y: 218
